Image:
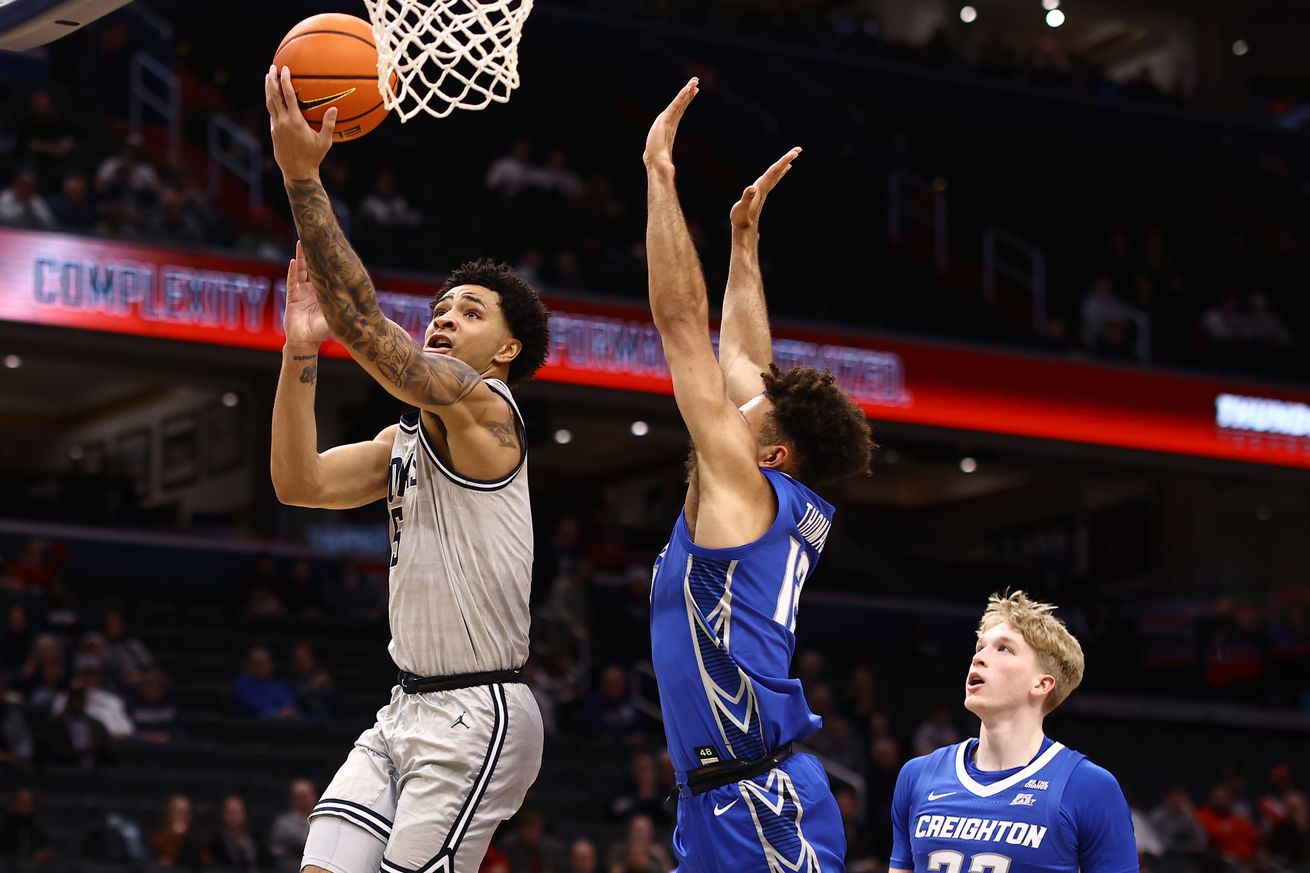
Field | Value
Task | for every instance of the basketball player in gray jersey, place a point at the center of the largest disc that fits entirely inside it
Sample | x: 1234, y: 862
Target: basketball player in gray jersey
x: 456, y: 749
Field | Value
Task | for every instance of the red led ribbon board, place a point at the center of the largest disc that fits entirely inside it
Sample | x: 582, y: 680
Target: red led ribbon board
x: 76, y: 282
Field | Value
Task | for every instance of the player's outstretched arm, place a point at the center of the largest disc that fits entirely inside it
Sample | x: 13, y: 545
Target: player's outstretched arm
x: 725, y: 449
x: 340, y: 478
x: 345, y: 292
x: 745, y: 344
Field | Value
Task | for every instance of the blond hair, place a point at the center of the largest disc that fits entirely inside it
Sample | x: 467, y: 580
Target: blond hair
x: 1058, y: 652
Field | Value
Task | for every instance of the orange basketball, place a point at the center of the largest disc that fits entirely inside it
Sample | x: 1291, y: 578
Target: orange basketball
x: 334, y: 62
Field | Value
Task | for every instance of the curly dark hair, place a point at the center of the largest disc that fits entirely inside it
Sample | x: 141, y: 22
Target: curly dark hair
x: 526, y: 315
x: 828, y: 432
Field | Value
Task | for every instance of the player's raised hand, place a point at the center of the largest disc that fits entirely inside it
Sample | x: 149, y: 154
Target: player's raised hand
x: 659, y: 141
x: 297, y: 147
x: 303, y: 320
x: 745, y: 214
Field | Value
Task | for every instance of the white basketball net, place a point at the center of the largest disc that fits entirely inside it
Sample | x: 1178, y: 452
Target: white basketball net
x: 446, y: 54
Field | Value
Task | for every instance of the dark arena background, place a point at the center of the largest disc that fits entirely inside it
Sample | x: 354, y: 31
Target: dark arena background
x: 1058, y: 251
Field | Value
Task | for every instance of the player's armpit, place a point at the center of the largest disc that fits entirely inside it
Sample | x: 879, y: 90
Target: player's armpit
x: 898, y: 870
x: 345, y: 476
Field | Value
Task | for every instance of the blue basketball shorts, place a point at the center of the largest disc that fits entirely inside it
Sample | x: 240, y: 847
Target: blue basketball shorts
x: 783, y: 820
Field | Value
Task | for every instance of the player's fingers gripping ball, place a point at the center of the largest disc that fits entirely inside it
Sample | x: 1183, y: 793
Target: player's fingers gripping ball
x: 334, y: 63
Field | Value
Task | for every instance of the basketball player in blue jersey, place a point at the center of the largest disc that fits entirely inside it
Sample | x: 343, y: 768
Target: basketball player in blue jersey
x: 1013, y: 800
x: 727, y: 586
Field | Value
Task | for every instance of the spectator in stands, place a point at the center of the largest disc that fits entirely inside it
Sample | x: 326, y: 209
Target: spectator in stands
x: 1289, y: 840
x: 126, y: 658
x: 72, y: 206
x: 1150, y: 848
x: 1264, y: 327
x: 642, y: 795
x: 385, y: 207
x: 102, y: 704
x: 301, y: 594
x: 74, y: 737
x: 15, y: 738
x: 860, y: 854
x: 311, y: 686
x: 884, y: 767
x: 44, y: 674
x: 1273, y: 806
x: 260, y: 591
x: 1224, y: 323
x: 511, y: 173
x: 583, y: 857
x: 172, y: 222
x: 1175, y: 822
x: 494, y: 861
x: 21, y: 204
x: 862, y: 693
x: 286, y: 839
x: 232, y: 848
x: 610, y: 710
x: 1232, y: 836
x: 838, y: 742
x: 152, y: 710
x: 353, y: 598
x: 528, y: 848
x: 557, y: 179
x: 17, y: 639
x: 45, y: 137
x: 38, y: 563
x: 129, y: 176
x: 639, y: 853
x: 174, y: 844
x: 264, y: 237
x: 1105, y: 320
x: 256, y: 692
x: 563, y: 678
x: 936, y: 731
x: 809, y: 669
x: 22, y: 839
x: 118, y: 221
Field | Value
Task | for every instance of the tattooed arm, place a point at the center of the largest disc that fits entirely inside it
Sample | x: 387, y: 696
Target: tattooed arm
x: 340, y: 478
x: 476, y: 428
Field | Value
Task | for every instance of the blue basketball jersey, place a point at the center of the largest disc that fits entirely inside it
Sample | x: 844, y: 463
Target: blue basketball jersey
x: 1059, y: 814
x: 722, y: 634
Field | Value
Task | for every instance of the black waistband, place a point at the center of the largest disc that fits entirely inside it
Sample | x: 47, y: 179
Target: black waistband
x: 411, y: 684
x: 713, y: 776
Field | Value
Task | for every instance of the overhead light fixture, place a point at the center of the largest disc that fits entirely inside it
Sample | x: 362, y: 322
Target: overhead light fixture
x: 563, y: 436
x: 231, y: 399
x: 75, y: 453
x: 1050, y: 4
x: 13, y: 362
x: 1054, y: 18
x: 968, y: 15
x: 1240, y: 48
x: 968, y: 465
x: 640, y: 428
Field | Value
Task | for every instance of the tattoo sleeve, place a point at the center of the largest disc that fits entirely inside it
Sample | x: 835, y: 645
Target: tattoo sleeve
x: 350, y: 305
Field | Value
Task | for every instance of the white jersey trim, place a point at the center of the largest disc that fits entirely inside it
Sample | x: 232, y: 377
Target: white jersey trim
x: 463, y: 481
x: 977, y: 788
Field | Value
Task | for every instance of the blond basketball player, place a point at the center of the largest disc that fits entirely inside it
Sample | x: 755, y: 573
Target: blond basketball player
x: 1013, y: 800
x: 455, y: 750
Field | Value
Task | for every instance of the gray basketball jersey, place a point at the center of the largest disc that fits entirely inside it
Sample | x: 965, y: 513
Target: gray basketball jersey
x: 461, y: 559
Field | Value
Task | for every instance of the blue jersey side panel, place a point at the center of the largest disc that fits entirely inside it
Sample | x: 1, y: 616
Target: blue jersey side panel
x: 722, y: 634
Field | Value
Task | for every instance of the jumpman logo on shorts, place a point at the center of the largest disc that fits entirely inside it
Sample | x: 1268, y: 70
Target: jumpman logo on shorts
x: 460, y: 721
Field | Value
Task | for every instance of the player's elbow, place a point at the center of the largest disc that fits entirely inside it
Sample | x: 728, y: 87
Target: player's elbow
x: 293, y: 490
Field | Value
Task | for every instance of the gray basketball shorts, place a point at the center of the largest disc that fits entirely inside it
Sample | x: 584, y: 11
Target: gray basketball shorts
x: 426, y: 787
